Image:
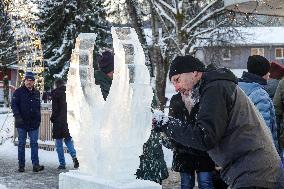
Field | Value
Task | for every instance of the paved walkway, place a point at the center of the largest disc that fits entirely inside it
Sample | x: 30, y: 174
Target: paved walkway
x: 11, y: 178
x: 47, y: 179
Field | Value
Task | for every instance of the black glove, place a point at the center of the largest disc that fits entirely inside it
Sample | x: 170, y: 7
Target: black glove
x: 158, y: 126
x: 18, y: 120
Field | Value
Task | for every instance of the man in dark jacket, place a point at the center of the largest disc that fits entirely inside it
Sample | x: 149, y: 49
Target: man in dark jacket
x: 60, y: 126
x: 228, y: 127
x: 104, y: 75
x: 26, y: 110
x: 187, y: 160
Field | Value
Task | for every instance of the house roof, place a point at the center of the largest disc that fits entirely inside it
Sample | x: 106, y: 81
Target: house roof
x: 244, y: 36
x: 261, y: 35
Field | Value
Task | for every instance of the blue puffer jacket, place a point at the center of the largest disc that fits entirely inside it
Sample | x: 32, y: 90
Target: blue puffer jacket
x: 253, y: 86
x: 26, y: 108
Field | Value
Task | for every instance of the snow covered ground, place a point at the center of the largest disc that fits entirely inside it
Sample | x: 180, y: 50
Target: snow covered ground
x: 9, y: 176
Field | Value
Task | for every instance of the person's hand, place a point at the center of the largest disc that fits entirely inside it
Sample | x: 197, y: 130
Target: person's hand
x: 159, y: 121
x: 18, y: 120
x: 157, y: 125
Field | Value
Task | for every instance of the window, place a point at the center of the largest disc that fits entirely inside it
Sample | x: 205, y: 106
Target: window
x: 257, y: 51
x: 226, y: 54
x: 279, y: 53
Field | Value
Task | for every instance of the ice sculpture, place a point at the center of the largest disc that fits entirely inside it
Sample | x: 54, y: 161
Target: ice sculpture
x: 109, y: 135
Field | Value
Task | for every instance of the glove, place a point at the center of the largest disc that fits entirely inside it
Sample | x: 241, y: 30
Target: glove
x: 158, y: 126
x: 159, y: 120
x: 18, y: 120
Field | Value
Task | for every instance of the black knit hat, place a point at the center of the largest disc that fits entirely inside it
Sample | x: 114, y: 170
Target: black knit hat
x: 258, y: 65
x: 106, y: 62
x: 185, y: 64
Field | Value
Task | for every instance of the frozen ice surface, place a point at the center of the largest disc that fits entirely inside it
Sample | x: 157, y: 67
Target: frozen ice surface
x: 109, y: 135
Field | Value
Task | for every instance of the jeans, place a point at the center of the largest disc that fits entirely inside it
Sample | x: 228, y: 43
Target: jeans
x: 33, y: 135
x: 205, y: 180
x: 60, y: 151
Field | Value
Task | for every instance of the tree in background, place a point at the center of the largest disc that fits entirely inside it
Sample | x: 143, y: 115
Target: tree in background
x: 60, y: 22
x: 176, y: 28
x: 7, y: 47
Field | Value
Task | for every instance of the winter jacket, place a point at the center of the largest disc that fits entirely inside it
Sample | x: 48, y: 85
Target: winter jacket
x: 152, y: 164
x: 253, y: 85
x: 186, y: 159
x: 59, y: 113
x: 26, y: 108
x: 104, y: 81
x: 278, y: 102
x: 230, y: 129
x: 271, y: 87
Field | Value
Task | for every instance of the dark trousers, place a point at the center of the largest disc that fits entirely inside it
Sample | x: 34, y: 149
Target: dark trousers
x: 33, y: 135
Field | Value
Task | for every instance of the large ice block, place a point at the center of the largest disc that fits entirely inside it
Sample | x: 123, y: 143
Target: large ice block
x: 78, y: 180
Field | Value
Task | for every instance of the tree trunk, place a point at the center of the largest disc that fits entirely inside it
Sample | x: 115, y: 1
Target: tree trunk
x: 138, y: 26
x: 159, y: 63
x: 6, y: 86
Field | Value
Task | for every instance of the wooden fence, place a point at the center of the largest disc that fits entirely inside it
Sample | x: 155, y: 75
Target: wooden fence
x: 45, y: 141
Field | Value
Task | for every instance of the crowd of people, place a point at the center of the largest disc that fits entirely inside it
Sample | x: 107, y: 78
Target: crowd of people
x: 227, y: 131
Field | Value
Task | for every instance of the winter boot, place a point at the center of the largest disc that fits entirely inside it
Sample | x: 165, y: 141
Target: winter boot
x: 37, y: 168
x: 21, y: 169
x: 61, y: 167
x: 76, y: 163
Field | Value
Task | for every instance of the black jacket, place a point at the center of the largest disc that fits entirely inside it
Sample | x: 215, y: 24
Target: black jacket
x: 230, y: 129
x: 186, y: 159
x: 26, y: 108
x: 59, y: 113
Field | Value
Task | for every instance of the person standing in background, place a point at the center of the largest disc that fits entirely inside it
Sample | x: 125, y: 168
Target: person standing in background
x: 277, y: 72
x: 253, y: 83
x: 60, y: 129
x: 26, y: 110
x: 104, y: 75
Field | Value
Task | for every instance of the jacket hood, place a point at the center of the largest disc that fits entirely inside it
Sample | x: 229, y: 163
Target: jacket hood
x: 217, y: 74
x: 250, y: 77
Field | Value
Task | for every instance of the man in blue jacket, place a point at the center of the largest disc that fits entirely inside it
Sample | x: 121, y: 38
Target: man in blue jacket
x: 26, y: 110
x: 253, y: 83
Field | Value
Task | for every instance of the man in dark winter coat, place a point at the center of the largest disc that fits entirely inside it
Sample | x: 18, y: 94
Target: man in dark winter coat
x: 187, y: 160
x: 60, y: 126
x: 104, y: 75
x: 228, y: 127
x: 26, y: 110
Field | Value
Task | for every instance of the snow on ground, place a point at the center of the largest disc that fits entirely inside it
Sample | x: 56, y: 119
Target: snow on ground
x: 6, y: 126
x: 2, y: 186
x: 10, y: 177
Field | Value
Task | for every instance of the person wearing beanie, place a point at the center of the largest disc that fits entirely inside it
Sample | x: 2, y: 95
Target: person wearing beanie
x: 60, y: 129
x: 104, y: 75
x: 227, y: 126
x: 26, y: 110
x: 277, y: 72
x: 253, y: 84
x: 258, y: 65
